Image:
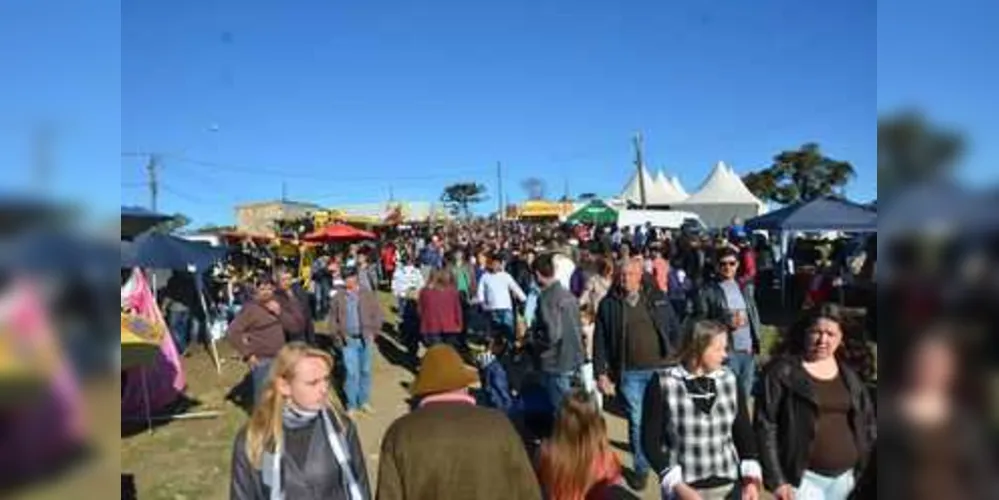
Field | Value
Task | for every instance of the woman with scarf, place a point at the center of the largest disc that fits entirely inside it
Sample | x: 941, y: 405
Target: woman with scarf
x: 299, y: 444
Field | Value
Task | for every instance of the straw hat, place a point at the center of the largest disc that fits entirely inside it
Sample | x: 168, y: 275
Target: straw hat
x: 442, y: 370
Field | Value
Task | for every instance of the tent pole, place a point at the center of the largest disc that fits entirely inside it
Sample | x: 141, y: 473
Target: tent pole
x: 145, y: 401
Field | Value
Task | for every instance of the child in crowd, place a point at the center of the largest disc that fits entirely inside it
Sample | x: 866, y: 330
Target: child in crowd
x: 492, y: 374
x: 586, y: 376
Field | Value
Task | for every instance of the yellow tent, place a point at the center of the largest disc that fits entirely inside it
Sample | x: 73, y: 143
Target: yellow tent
x: 140, y: 341
x: 539, y: 209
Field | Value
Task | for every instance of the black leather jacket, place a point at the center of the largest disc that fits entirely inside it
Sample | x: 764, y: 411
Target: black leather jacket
x: 785, y: 420
x: 711, y: 304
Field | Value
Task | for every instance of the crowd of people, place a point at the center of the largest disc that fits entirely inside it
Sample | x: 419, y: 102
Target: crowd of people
x: 523, y: 336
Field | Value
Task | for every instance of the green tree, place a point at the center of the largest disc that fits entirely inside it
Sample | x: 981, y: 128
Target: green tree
x: 911, y: 151
x: 175, y: 223
x: 461, y: 196
x: 800, y: 175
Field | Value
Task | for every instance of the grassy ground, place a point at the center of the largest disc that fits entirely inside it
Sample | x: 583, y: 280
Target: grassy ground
x: 189, y: 459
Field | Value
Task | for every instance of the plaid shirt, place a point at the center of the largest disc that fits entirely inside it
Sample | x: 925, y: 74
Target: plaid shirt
x: 701, y: 443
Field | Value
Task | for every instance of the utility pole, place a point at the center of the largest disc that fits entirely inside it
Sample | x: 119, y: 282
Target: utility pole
x: 44, y: 141
x: 499, y: 188
x: 154, y: 187
x: 640, y: 166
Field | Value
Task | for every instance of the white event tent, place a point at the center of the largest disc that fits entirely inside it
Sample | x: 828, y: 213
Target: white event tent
x: 722, y: 197
x: 659, y: 191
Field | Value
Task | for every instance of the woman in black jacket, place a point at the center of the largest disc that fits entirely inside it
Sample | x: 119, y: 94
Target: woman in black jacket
x: 298, y: 444
x: 814, y: 422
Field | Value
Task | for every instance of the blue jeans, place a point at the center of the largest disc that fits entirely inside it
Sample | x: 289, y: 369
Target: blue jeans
x: 357, y: 356
x: 258, y: 375
x: 502, y: 323
x: 180, y: 329
x: 832, y: 488
x: 632, y: 387
x: 743, y: 364
x: 557, y: 385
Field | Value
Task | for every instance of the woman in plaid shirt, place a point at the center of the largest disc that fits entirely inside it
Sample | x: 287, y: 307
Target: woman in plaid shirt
x: 695, y: 424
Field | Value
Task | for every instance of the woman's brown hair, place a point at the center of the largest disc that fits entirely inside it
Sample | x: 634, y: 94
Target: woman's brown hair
x: 697, y: 339
x: 578, y: 441
x: 440, y: 279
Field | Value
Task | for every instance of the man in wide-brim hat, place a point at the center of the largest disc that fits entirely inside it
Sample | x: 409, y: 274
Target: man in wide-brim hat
x: 450, y: 448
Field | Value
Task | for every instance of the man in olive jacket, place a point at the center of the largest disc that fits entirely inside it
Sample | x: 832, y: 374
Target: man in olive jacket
x: 636, y: 334
x: 449, y: 448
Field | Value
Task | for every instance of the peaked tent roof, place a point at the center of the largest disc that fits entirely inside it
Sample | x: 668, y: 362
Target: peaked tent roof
x: 656, y: 192
x: 632, y: 190
x: 667, y: 191
x: 675, y: 181
x: 723, y: 186
x: 820, y: 214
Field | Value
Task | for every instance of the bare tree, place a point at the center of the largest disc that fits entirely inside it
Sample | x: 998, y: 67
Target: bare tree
x: 534, y: 187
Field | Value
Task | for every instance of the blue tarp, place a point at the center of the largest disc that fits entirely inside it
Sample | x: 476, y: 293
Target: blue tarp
x: 822, y: 214
x: 163, y: 251
x: 43, y: 251
x: 135, y: 220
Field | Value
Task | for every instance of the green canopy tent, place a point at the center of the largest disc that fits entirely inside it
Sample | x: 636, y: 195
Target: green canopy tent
x: 594, y: 212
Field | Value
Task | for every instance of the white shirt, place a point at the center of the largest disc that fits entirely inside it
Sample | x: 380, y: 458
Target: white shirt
x: 495, y: 289
x: 564, y: 269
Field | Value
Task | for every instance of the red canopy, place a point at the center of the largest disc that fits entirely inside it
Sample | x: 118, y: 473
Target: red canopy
x: 339, y: 232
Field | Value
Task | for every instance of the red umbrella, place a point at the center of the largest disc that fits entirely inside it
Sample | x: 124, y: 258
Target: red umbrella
x: 338, y: 232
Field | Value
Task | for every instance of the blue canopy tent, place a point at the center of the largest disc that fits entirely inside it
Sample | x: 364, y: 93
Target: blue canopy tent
x: 164, y: 251
x: 820, y: 214
x: 136, y: 220
x: 155, y: 250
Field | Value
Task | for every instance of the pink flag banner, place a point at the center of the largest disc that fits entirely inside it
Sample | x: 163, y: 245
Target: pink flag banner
x: 48, y: 428
x: 163, y: 381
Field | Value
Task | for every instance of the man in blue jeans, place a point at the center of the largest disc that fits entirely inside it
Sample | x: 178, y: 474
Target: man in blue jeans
x: 355, y: 320
x: 556, y: 334
x: 494, y: 295
x: 731, y: 303
x: 636, y: 333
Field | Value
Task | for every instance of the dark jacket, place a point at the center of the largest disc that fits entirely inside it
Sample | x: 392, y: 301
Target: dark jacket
x: 248, y: 484
x: 431, y: 454
x: 296, y: 312
x: 712, y: 305
x: 556, y: 334
x: 609, y: 333
x: 785, y: 420
x: 256, y: 331
x: 370, y: 312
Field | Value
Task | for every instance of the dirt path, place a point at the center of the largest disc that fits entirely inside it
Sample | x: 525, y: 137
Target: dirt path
x: 191, y: 459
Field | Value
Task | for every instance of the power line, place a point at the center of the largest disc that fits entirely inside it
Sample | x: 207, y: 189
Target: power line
x: 277, y: 172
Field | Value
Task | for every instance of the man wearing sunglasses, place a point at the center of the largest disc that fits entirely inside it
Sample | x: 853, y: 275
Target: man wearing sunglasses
x: 730, y: 303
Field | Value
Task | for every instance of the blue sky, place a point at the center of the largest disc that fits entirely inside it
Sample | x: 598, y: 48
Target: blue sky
x: 341, y: 101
